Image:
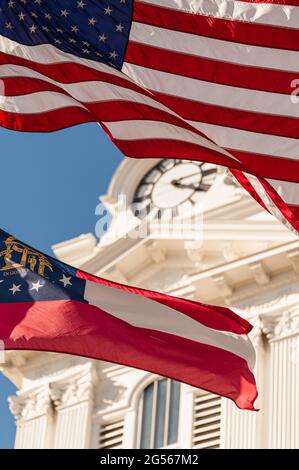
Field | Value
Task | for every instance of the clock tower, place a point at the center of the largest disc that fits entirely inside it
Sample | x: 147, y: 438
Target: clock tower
x: 230, y: 252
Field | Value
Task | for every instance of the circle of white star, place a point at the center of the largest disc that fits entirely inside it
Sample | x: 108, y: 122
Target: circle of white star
x: 66, y: 281
x: 15, y: 289
x: 36, y: 286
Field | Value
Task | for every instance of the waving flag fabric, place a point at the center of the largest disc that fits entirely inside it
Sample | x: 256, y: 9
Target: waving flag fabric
x: 46, y: 305
x: 194, y: 79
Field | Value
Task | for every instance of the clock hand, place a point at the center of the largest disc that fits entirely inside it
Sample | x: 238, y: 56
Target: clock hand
x: 174, y: 182
x: 195, y: 187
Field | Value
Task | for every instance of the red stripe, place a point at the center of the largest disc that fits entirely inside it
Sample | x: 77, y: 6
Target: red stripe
x: 81, y: 329
x: 270, y: 124
x: 109, y: 111
x: 214, y: 71
x: 218, y: 28
x: 290, y: 213
x: 218, y: 318
x: 165, y: 148
x: 278, y: 168
x: 45, y: 122
x: 68, y: 72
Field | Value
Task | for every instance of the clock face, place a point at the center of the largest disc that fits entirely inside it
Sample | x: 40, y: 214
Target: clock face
x: 173, y: 186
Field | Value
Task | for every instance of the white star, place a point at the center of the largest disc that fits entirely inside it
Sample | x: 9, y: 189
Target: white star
x: 66, y: 281
x: 32, y: 29
x: 36, y: 286
x: 38, y: 2
x: 108, y: 10
x: 103, y: 38
x: 46, y: 29
x: 15, y: 289
x: 72, y: 41
x: 57, y: 41
x: 92, y: 21
x: 85, y: 43
x: 113, y: 55
x: 48, y: 16
x: 59, y: 30
x: 122, y: 1
x: 34, y: 15
x: 22, y: 16
x: 81, y: 4
x: 11, y: 4
x: 75, y: 29
x: 85, y: 51
x: 8, y: 25
x: 64, y: 13
x: 119, y: 28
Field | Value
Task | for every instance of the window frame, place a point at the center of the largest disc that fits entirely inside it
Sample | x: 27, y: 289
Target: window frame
x: 155, y: 384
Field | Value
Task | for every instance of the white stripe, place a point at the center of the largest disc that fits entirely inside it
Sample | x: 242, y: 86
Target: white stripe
x: 287, y: 191
x: 216, y: 49
x: 269, y: 203
x: 263, y: 13
x: 236, y: 139
x: 37, y: 102
x: 145, y: 313
x: 213, y: 93
x: 139, y: 130
x: 87, y: 92
x: 48, y: 54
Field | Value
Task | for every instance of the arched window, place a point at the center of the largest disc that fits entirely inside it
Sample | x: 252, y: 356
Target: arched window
x: 159, y: 414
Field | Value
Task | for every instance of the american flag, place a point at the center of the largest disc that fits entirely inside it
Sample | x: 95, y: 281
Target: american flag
x: 208, y: 80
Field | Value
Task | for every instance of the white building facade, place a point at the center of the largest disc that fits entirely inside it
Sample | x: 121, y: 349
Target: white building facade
x: 204, y: 239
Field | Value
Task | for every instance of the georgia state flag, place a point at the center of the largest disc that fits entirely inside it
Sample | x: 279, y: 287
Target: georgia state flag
x: 46, y: 305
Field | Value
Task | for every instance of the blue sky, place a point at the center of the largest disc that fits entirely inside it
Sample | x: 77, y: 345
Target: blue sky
x: 50, y: 184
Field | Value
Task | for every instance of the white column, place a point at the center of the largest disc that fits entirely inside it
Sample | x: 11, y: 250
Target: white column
x: 33, y: 412
x: 283, y: 416
x: 242, y: 429
x: 130, y: 426
x: 73, y: 403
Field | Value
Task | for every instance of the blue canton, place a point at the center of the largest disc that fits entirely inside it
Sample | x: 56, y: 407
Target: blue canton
x: 26, y: 275
x: 93, y: 29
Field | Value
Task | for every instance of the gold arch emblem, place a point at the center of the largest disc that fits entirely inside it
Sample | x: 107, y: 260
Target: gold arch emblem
x: 17, y: 255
